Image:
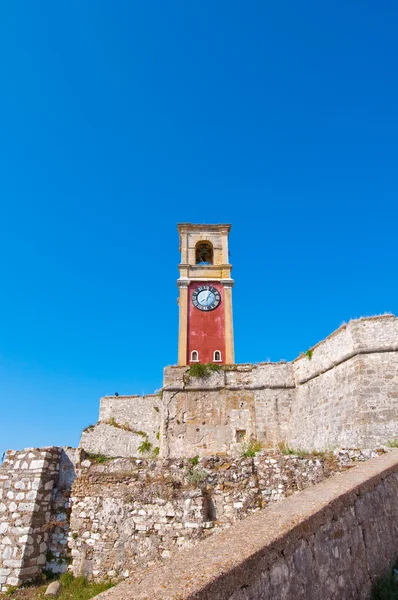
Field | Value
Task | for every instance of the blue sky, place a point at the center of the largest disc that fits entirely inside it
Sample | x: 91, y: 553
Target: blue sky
x: 121, y: 119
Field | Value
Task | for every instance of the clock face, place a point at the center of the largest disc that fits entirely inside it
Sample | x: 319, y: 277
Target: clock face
x: 206, y: 297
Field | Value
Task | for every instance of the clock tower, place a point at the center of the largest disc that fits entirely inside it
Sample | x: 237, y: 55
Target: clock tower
x: 205, y: 301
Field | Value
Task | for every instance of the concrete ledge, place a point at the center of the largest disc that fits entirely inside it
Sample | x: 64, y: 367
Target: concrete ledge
x: 330, y: 541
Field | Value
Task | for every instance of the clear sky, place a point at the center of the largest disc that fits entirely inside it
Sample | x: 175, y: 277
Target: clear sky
x: 121, y: 119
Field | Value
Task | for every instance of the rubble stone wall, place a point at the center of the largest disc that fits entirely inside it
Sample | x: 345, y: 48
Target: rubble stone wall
x: 130, y: 513
x: 27, y: 479
x: 58, y: 553
x: 329, y: 542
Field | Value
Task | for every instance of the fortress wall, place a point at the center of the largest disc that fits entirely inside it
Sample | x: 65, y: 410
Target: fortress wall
x: 378, y: 399
x: 273, y: 409
x: 210, y: 415
x: 124, y: 423
x: 265, y: 375
x: 203, y: 422
x: 129, y: 512
x: 325, y: 412
x: 27, y: 479
x: 347, y: 394
x: 368, y: 335
x: 343, y: 394
x: 330, y: 541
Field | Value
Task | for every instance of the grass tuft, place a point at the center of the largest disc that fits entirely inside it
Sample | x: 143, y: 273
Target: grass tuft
x: 251, y: 447
x: 205, y: 370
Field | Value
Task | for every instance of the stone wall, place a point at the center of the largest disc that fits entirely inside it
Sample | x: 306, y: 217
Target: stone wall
x: 129, y: 513
x: 35, y: 488
x: 329, y: 542
x: 124, y: 423
x: 344, y: 393
x: 26, y: 482
x: 58, y: 552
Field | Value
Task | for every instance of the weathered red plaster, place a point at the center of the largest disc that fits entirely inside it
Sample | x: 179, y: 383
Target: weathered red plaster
x: 206, y: 329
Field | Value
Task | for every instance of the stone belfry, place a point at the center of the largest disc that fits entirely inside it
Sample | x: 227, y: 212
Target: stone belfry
x: 205, y: 300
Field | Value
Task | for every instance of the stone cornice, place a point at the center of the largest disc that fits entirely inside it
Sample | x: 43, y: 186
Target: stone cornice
x: 203, y: 227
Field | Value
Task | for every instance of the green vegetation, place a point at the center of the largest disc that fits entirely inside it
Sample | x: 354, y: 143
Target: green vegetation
x: 205, y: 370
x: 145, y: 446
x: 285, y: 449
x: 301, y: 453
x: 98, y: 458
x: 50, y: 556
x: 386, y: 587
x: 393, y: 443
x: 126, y: 427
x: 156, y: 451
x: 11, y: 591
x: 251, y: 447
x: 309, y: 354
x: 158, y: 435
x: 194, y: 461
x: 89, y: 428
x: 196, y: 476
x: 72, y: 588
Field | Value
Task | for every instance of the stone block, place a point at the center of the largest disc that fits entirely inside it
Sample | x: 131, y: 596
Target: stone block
x: 53, y: 589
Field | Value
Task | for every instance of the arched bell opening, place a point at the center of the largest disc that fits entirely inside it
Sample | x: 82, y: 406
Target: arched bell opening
x: 204, y: 253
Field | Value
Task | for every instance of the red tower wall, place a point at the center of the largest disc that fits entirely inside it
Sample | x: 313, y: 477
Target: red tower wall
x: 206, y: 329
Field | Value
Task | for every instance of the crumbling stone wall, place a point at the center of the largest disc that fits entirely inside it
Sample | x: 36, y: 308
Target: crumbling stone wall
x: 331, y: 541
x: 26, y: 482
x: 128, y: 513
x: 58, y: 553
x: 35, y: 486
x: 124, y: 423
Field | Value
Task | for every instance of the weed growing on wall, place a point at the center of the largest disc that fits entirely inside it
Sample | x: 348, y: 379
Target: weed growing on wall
x: 196, y: 476
x: 89, y: 428
x: 251, y: 447
x: 145, y: 446
x: 98, y: 458
x: 393, y: 443
x: 285, y: 449
x: 205, y: 370
x: 194, y: 461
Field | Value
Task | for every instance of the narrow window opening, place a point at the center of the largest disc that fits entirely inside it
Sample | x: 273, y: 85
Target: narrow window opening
x: 194, y: 356
x: 240, y: 435
x: 217, y: 356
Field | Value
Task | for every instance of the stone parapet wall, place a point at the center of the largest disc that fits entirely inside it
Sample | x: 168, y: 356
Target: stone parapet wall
x: 27, y: 479
x: 245, y: 376
x: 130, y: 513
x: 367, y: 335
x: 124, y: 423
x: 331, y: 541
